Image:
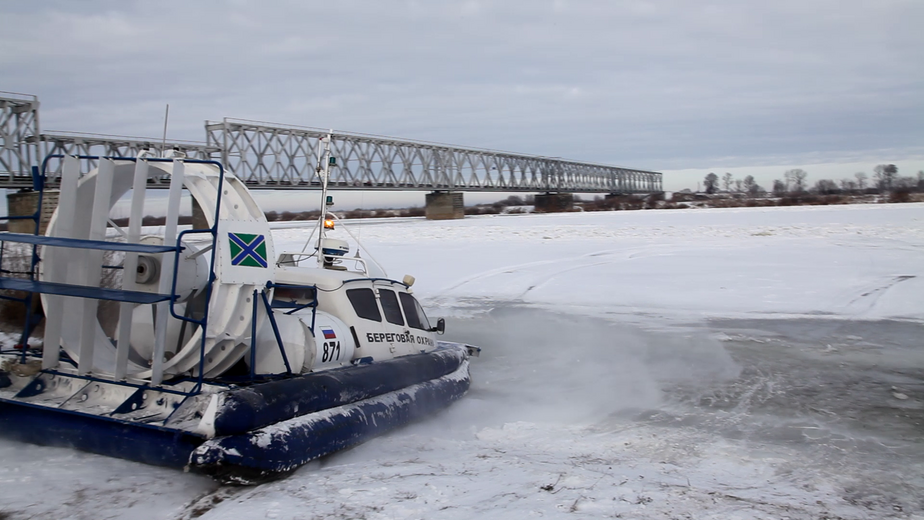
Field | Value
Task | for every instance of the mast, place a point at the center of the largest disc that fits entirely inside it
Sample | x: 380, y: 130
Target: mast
x: 324, y: 162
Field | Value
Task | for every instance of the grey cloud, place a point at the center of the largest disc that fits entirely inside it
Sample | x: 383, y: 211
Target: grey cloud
x: 649, y: 84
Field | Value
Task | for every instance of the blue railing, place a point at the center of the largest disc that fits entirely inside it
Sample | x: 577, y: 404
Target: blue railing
x: 32, y: 286
x: 38, y: 185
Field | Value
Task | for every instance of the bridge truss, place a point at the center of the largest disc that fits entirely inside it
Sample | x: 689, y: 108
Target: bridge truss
x: 267, y: 156
x: 19, y: 121
x: 91, y: 146
x: 282, y: 157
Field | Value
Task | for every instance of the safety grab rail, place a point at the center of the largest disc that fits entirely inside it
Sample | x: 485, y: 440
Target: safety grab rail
x: 83, y: 243
x: 313, y: 304
x: 389, y: 280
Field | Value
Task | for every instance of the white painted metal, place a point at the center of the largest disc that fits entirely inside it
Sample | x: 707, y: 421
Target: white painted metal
x: 54, y: 305
x: 242, y: 274
x: 333, y: 343
x: 227, y: 337
x: 163, y: 309
x: 296, y: 338
x: 89, y: 266
x: 395, y: 340
x: 139, y: 186
x: 231, y: 304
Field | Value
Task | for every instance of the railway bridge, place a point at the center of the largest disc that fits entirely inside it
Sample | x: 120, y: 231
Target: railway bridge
x: 269, y: 156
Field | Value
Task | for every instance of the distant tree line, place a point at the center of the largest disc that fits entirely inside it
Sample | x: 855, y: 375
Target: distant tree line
x: 795, y: 182
x: 747, y: 185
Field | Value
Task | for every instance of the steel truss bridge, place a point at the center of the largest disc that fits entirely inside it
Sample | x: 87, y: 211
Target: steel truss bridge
x: 267, y: 156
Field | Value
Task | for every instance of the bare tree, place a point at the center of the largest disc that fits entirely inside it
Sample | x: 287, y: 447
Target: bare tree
x: 826, y: 187
x: 751, y: 186
x: 711, y: 182
x: 885, y: 176
x: 779, y: 188
x: 861, y: 180
x: 738, y: 185
x: 795, y: 179
x: 727, y: 181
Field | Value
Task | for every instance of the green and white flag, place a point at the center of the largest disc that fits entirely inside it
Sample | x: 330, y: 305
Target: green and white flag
x: 247, y: 250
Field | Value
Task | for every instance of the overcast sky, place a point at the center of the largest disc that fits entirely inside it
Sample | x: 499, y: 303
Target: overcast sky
x: 664, y: 85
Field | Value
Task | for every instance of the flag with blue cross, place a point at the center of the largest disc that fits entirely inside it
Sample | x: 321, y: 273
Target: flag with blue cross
x: 247, y: 250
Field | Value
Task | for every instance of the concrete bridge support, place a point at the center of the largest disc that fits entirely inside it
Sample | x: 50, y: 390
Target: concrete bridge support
x: 24, y: 204
x: 444, y: 205
x: 554, y: 202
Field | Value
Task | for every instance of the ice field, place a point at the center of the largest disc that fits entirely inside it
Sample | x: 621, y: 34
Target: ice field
x: 748, y: 363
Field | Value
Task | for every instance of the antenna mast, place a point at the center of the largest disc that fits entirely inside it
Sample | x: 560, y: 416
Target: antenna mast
x: 163, y: 143
x: 324, y: 163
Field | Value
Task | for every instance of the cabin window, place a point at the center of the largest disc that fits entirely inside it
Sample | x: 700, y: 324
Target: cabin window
x: 390, y: 307
x: 294, y: 294
x: 414, y: 313
x: 293, y: 297
x: 363, y: 301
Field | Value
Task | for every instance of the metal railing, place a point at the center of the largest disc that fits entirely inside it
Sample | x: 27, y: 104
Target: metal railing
x: 19, y: 120
x: 265, y: 155
x: 271, y: 156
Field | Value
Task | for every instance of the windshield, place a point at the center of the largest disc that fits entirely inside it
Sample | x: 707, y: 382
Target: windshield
x: 414, y: 313
x: 390, y: 307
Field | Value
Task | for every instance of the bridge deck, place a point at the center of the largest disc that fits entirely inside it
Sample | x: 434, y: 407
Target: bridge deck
x: 269, y: 156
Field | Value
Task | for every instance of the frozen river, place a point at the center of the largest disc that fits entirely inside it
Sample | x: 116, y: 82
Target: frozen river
x: 689, y: 364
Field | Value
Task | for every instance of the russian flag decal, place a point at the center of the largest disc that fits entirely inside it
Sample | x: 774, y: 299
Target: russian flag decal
x: 328, y: 333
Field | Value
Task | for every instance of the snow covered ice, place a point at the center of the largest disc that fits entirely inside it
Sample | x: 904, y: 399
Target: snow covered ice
x: 692, y: 364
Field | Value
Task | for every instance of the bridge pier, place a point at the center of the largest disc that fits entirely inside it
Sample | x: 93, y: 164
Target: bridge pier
x: 554, y: 202
x: 444, y: 205
x: 24, y: 204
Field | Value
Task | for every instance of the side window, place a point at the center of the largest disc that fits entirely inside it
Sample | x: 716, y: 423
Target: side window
x: 390, y: 307
x: 290, y: 294
x: 363, y: 301
x: 414, y: 312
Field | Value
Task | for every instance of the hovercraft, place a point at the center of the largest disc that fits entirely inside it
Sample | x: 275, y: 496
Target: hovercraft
x: 203, y: 349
